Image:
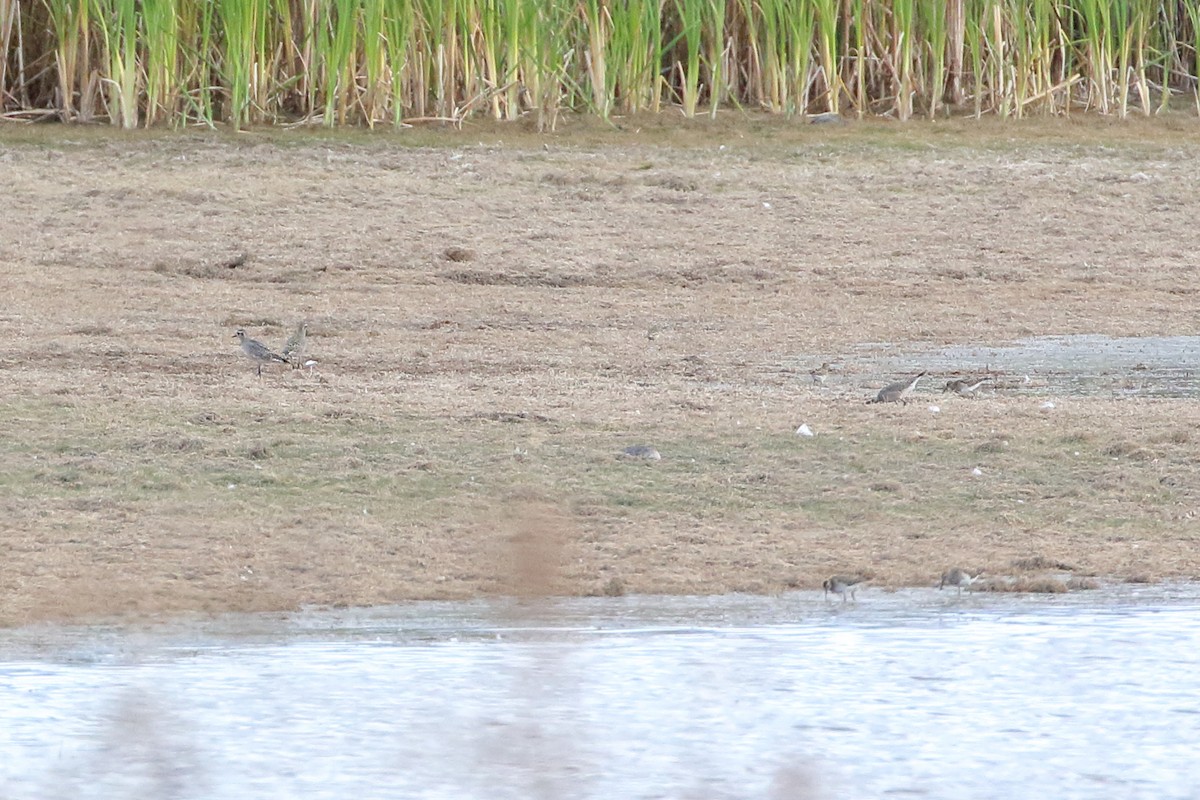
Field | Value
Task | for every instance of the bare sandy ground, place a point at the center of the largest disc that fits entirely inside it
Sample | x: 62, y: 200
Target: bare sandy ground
x: 496, y: 315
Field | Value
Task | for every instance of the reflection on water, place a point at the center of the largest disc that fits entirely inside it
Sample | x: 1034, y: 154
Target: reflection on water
x: 1143, y: 366
x: 912, y: 693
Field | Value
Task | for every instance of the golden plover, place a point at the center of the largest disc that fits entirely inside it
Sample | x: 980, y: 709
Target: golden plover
x: 293, y: 348
x: 958, y: 578
x: 963, y: 387
x: 258, y: 352
x: 843, y: 585
x: 899, y: 391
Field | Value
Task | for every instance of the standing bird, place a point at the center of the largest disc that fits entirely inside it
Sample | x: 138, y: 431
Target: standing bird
x: 958, y: 578
x: 258, y: 352
x: 841, y: 584
x: 819, y: 374
x: 897, y: 392
x: 293, y: 348
x: 963, y: 387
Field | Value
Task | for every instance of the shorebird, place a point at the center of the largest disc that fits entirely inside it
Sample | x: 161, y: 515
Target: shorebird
x: 958, y: 578
x: 819, y: 374
x: 841, y: 584
x: 293, y: 348
x: 899, y: 391
x: 258, y: 352
x: 963, y: 387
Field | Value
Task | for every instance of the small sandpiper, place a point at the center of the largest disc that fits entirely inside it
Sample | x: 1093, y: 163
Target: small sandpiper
x: 958, y: 578
x: 899, y: 391
x: 963, y: 387
x: 258, y: 352
x: 843, y: 585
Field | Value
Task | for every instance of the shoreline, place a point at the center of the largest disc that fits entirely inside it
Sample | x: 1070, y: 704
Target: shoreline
x: 460, y: 434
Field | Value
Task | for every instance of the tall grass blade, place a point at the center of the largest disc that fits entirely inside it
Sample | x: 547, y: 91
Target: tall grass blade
x: 161, y: 55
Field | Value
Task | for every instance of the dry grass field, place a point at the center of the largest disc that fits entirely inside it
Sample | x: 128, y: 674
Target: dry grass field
x: 495, y: 315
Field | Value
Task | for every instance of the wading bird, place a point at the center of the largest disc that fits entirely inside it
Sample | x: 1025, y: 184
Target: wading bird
x: 958, y: 578
x: 843, y: 585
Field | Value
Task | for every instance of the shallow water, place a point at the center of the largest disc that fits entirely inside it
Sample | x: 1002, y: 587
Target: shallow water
x: 1093, y: 694
x: 1146, y: 366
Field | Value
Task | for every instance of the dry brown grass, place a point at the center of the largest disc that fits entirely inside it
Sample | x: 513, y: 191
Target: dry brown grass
x: 461, y: 432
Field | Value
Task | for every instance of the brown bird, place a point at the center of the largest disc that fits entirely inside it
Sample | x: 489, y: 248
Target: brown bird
x: 293, y: 348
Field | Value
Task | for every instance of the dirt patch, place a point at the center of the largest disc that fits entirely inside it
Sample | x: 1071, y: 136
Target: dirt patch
x: 663, y: 286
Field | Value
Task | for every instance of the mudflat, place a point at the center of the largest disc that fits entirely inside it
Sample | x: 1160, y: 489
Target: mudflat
x: 495, y: 316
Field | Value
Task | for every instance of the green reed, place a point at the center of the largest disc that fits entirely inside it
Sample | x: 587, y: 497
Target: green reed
x: 118, y: 26
x: 396, y: 28
x: 899, y: 56
x: 598, y: 24
x: 783, y: 46
x: 934, y: 42
x: 826, y: 42
x: 974, y: 44
x: 70, y: 27
x: 691, y: 27
x: 337, y: 40
x: 240, y: 58
x: 1021, y: 36
x: 511, y: 39
x: 160, y: 59
x: 713, y: 16
x: 636, y: 55
x: 363, y: 62
x: 767, y: 56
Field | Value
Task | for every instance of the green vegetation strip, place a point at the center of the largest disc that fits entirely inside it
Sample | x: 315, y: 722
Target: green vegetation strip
x: 209, y: 466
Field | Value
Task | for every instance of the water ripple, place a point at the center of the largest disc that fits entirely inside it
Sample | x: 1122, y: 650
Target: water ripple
x: 900, y: 694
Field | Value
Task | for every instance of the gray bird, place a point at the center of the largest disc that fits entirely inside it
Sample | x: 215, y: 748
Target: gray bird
x: 897, y: 392
x: 258, y: 352
x: 841, y: 584
x: 293, y: 348
x: 963, y: 387
x: 958, y: 578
